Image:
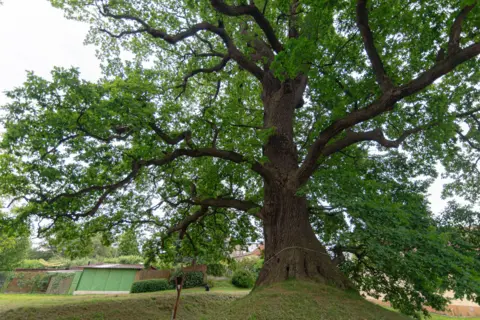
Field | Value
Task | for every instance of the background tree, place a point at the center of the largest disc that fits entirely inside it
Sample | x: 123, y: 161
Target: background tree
x: 72, y: 244
x: 14, y: 245
x: 309, y: 119
x: 128, y: 244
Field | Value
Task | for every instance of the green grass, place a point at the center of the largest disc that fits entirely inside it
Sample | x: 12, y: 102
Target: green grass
x: 288, y: 300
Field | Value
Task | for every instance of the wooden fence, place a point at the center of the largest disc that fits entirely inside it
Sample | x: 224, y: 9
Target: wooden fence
x: 152, y: 274
x: 165, y: 274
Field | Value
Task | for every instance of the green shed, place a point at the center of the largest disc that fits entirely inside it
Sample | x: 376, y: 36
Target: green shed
x: 107, y: 278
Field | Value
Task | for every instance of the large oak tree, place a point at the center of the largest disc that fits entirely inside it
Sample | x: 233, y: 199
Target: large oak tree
x: 320, y: 121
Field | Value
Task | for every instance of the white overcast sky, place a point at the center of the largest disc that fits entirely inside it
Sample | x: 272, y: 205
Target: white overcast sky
x: 34, y: 36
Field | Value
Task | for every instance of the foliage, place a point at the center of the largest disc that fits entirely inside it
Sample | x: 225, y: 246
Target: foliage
x: 151, y: 285
x: 243, y: 279
x: 76, y: 246
x: 193, y: 279
x: 5, y: 277
x: 128, y: 244
x: 211, y: 283
x: 31, y: 264
x: 125, y: 260
x: 258, y: 266
x: 36, y: 253
x: 181, y: 139
x: 57, y: 278
x: 216, y: 269
x: 36, y: 281
x: 250, y: 264
x: 464, y: 221
x: 14, y: 245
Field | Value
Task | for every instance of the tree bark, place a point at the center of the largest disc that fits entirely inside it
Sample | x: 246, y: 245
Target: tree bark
x: 292, y: 249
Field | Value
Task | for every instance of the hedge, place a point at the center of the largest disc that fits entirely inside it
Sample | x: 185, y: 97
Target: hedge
x: 150, y: 285
x: 243, y: 279
x: 216, y: 269
x: 192, y: 279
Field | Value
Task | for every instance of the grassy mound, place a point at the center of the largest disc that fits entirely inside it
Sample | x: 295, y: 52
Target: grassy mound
x: 288, y: 300
x: 302, y: 300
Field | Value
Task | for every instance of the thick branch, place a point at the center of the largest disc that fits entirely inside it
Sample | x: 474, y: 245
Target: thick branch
x: 456, y: 29
x: 183, y: 225
x: 376, y: 135
x: 362, y: 22
x: 255, y: 13
x: 209, y: 152
x: 384, y: 103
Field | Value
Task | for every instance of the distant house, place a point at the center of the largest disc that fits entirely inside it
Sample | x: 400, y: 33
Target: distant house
x: 107, y: 278
x: 253, y: 251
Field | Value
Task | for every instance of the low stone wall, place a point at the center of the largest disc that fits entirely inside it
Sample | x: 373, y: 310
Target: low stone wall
x: 458, y: 308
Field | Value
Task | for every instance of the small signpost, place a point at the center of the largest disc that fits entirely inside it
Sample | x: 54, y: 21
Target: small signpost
x: 178, y: 285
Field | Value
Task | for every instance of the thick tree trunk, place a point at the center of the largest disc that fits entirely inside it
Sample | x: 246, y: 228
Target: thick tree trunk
x: 292, y: 249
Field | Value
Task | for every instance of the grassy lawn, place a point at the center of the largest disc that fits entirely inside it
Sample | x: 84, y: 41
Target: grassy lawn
x: 15, y: 301
x: 289, y: 300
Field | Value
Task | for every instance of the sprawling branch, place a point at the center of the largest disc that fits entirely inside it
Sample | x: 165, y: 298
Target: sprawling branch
x: 241, y: 205
x: 205, y: 204
x: 384, y: 103
x: 138, y: 165
x: 255, y: 13
x: 209, y: 152
x: 184, y: 224
x: 218, y: 67
x: 362, y: 22
x: 456, y: 29
x: 376, y: 135
x: 192, y: 31
x: 108, y: 188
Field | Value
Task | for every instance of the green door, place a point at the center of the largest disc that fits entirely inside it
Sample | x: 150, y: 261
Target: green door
x: 106, y: 279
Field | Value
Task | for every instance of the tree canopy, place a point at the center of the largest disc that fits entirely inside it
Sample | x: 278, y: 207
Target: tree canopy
x: 232, y: 116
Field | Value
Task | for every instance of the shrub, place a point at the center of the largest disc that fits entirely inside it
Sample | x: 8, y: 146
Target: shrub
x: 125, y: 260
x: 150, y: 285
x: 245, y: 264
x: 31, y: 264
x: 5, y: 278
x: 192, y: 279
x: 258, y: 266
x: 243, y: 279
x: 216, y: 269
x: 210, y: 283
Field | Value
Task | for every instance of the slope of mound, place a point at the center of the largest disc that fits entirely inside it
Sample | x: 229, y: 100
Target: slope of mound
x: 303, y: 300
x: 288, y: 300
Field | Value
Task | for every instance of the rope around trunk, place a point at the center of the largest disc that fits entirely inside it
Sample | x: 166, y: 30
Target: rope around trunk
x: 287, y: 248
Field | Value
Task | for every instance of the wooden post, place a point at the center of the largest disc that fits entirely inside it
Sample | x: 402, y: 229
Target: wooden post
x: 178, y: 285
